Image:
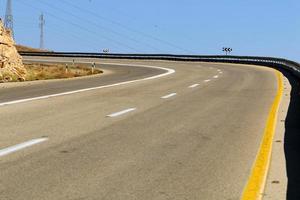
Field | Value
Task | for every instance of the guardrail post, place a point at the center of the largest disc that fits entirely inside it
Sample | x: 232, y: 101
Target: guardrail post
x: 67, y: 68
x: 93, y: 67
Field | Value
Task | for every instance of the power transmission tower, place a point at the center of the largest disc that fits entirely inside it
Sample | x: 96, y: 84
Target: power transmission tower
x: 9, y: 19
x: 42, y: 24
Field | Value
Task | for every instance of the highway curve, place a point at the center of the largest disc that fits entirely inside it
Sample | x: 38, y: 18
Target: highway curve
x: 193, y: 134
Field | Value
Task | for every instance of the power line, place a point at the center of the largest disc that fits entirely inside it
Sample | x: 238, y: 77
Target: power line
x: 79, y: 26
x: 97, y: 25
x: 146, y: 35
x: 57, y: 32
x: 83, y: 44
x: 59, y: 29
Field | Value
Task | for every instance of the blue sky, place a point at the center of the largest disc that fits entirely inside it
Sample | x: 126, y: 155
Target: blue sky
x: 250, y: 27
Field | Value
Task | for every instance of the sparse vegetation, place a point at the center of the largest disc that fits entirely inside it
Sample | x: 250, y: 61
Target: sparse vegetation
x: 58, y: 71
x: 29, y: 49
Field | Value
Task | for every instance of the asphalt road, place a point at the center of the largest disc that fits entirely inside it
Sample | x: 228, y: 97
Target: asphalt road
x: 113, y: 74
x: 179, y: 136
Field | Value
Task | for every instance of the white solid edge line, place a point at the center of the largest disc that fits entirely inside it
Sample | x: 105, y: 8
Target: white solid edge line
x: 169, y: 71
x: 169, y: 96
x: 12, y: 149
x: 116, y: 114
x: 193, y: 86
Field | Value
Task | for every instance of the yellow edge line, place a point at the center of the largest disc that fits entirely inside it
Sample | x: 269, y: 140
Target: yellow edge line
x: 257, y: 180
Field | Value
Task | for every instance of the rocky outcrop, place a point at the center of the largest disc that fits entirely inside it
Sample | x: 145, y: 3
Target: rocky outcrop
x: 11, y: 65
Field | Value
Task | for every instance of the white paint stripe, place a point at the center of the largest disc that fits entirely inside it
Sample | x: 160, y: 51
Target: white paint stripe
x: 216, y: 76
x: 207, y: 80
x: 220, y: 72
x: 121, y: 112
x: 169, y: 96
x: 193, y: 86
x: 12, y: 149
x: 169, y: 71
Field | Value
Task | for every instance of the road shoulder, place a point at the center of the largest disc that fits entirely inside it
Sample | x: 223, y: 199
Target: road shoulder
x: 276, y: 183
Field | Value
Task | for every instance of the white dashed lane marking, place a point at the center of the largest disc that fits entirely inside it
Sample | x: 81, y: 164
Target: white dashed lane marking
x: 18, y: 147
x: 116, y: 114
x: 169, y: 96
x: 193, y: 86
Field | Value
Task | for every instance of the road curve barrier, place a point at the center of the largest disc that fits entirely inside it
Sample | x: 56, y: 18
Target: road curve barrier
x: 289, y: 65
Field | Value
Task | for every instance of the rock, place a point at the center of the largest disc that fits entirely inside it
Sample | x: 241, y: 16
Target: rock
x: 11, y: 65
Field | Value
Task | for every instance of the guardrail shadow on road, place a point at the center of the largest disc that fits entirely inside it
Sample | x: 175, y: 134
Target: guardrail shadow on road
x: 292, y: 140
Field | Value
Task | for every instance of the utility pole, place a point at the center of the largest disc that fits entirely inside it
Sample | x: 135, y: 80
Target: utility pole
x: 9, y: 19
x: 42, y: 24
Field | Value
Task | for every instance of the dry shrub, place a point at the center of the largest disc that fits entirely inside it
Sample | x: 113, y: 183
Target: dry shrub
x: 57, y: 71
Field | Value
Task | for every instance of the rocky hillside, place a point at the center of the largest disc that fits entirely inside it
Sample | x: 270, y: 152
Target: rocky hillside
x: 11, y: 65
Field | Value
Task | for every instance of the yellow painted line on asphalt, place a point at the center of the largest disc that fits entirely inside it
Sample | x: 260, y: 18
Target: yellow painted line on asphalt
x: 256, y: 184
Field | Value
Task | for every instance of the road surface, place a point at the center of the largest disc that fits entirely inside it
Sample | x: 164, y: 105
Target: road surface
x: 192, y: 134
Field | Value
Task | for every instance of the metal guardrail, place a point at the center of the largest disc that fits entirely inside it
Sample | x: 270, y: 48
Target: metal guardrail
x: 289, y: 65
